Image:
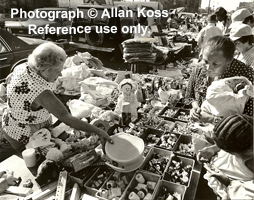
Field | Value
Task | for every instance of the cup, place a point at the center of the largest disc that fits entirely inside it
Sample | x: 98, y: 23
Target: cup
x: 29, y: 157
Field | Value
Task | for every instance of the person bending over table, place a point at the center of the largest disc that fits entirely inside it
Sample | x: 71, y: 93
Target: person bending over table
x: 30, y: 99
x: 217, y: 63
x: 230, y: 160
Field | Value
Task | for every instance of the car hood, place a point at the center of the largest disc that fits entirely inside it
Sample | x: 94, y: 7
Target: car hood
x: 26, y: 23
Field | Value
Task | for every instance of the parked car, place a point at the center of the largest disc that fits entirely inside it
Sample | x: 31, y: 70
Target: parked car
x: 108, y: 40
x: 13, y: 50
x: 20, y: 28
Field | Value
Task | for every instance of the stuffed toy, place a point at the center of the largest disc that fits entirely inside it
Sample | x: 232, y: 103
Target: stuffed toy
x: 127, y: 88
x: 7, y: 179
x: 47, y: 172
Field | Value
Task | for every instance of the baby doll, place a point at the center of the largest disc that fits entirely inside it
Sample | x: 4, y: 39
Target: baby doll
x: 127, y: 88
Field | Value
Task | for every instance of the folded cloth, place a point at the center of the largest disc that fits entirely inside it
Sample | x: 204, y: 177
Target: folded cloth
x: 142, y: 54
x: 140, y: 40
x: 137, y: 50
x: 135, y: 60
x: 137, y: 45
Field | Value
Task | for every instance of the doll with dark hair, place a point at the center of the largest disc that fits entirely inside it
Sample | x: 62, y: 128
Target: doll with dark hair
x: 230, y: 170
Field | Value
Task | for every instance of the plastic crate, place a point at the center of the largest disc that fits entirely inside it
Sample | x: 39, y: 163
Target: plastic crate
x: 89, y: 189
x: 161, y: 152
x: 151, y: 136
x: 184, y: 162
x: 148, y: 177
x: 170, y: 146
x: 165, y: 116
x: 170, y: 125
x: 184, y: 139
x: 171, y: 189
x: 156, y: 110
x: 122, y: 179
x: 82, y: 176
x: 183, y: 115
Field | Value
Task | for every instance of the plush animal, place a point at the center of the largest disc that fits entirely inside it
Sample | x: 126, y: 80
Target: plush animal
x: 7, y: 179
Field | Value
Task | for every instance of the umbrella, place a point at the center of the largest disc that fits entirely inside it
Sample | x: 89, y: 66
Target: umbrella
x: 180, y: 9
x: 177, y: 10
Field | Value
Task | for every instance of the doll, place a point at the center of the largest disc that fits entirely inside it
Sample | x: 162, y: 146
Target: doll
x: 127, y: 89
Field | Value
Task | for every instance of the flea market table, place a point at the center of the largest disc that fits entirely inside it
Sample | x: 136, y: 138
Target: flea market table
x: 17, y: 165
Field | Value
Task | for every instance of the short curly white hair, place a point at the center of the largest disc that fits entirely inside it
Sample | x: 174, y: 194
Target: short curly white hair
x: 45, y: 56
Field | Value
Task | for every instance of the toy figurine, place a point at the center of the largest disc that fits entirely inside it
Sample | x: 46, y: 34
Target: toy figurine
x: 128, y: 97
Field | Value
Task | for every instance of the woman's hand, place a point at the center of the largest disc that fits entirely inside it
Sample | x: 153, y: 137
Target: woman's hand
x: 205, y: 154
x: 206, y: 117
x: 195, y: 113
x: 103, y: 138
x: 217, y: 173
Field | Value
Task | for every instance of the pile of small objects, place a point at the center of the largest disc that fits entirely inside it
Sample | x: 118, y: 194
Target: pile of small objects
x: 166, y: 195
x: 178, y: 173
x: 114, y: 187
x: 135, y: 130
x: 157, y: 164
x: 152, y: 139
x: 186, y: 149
x: 184, y: 116
x: 164, y: 126
x: 98, y: 180
x: 170, y: 113
x: 183, y: 130
x: 143, y: 190
x: 148, y: 121
x: 168, y: 141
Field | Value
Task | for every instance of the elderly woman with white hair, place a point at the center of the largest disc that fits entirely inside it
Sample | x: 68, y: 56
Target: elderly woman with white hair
x: 30, y: 99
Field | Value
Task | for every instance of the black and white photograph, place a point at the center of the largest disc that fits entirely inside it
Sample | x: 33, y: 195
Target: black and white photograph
x: 126, y: 99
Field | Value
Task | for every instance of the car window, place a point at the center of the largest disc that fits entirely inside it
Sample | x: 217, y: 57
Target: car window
x: 99, y: 19
x: 86, y: 17
x: 2, y: 48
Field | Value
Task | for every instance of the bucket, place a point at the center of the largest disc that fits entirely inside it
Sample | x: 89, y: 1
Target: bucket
x: 126, y: 154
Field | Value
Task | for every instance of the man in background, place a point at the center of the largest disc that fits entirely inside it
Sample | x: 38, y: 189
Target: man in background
x: 209, y: 31
x: 224, y: 20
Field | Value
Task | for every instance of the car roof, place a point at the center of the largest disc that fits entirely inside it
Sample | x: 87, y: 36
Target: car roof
x: 13, y: 41
x: 51, y: 8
